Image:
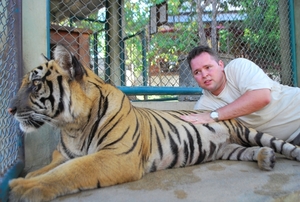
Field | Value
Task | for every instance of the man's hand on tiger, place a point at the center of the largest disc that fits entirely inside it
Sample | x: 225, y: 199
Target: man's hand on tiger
x: 200, y: 118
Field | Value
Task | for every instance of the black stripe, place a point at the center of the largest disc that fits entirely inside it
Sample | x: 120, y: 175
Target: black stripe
x: 171, y: 126
x: 101, y: 111
x: 150, y: 139
x: 240, y: 153
x: 117, y: 140
x: 60, y: 107
x: 273, y: 144
x: 83, y: 138
x: 35, y: 123
x: 282, y: 147
x: 202, y: 154
x: 65, y: 149
x: 98, y: 184
x: 257, y: 138
x: 50, y: 97
x: 133, y: 146
x: 242, y: 133
x: 109, y: 121
x: 212, y: 149
x: 158, y: 122
x: 160, y: 150
x: 191, y: 144
x: 136, y: 128
x: 111, y: 127
x: 186, y: 154
x: 211, y: 129
x: 174, y: 149
x: 293, y: 151
x: 227, y: 126
x: 92, y: 134
x: 48, y: 73
x: 36, y: 104
x: 233, y: 151
x: 102, y: 107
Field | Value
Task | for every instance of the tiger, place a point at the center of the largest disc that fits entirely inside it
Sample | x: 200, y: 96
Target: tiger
x: 105, y: 140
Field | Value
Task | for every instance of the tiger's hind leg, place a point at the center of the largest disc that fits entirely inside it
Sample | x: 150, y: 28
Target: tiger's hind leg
x: 255, y: 138
x: 264, y: 156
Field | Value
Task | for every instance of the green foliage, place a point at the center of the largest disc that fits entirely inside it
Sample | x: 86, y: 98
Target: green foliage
x: 260, y: 38
x: 259, y: 30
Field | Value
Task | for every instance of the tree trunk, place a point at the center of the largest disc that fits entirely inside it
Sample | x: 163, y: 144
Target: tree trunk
x: 201, y: 26
x: 214, y: 42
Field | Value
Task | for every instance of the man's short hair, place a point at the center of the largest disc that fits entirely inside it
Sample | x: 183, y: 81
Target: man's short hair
x: 198, y: 50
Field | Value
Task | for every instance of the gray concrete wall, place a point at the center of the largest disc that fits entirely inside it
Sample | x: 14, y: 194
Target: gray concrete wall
x: 166, y: 105
x: 38, y: 145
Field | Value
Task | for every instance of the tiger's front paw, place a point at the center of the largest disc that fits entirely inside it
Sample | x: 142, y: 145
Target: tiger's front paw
x: 266, y: 158
x: 34, y: 174
x: 27, y: 190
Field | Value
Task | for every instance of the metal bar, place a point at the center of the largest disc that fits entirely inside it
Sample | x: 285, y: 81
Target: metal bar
x: 152, y: 90
x: 95, y: 52
x: 48, y: 29
x: 144, y: 58
x: 122, y: 45
x: 293, y: 42
x: 107, y: 39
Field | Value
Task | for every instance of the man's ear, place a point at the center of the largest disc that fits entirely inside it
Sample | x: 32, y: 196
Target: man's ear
x: 221, y: 63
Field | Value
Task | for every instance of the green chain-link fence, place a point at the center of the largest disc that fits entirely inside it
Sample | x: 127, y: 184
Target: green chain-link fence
x: 144, y: 43
x: 138, y: 43
x: 11, y: 149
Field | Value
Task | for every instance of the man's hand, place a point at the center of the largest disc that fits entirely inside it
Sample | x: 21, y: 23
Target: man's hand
x: 198, y: 118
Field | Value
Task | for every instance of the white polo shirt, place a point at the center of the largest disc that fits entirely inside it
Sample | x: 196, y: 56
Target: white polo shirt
x: 280, y: 118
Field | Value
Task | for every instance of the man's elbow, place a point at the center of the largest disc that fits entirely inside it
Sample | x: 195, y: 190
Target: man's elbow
x: 267, y: 99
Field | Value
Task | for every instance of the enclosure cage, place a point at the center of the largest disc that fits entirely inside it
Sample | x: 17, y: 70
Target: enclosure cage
x: 141, y: 46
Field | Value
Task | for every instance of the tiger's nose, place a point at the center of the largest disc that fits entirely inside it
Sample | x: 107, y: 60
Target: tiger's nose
x: 12, y: 111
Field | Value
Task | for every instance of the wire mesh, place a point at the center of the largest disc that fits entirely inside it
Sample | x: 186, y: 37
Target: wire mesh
x: 145, y: 43
x: 9, y: 139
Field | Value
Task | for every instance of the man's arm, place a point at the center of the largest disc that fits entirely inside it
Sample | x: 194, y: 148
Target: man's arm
x: 248, y: 103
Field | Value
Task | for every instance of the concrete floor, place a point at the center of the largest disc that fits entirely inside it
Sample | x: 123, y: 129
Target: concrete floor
x: 215, y: 181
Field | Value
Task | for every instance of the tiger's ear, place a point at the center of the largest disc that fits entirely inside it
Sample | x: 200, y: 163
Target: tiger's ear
x: 68, y: 62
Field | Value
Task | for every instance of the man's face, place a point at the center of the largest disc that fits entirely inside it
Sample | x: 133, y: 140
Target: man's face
x: 208, y: 73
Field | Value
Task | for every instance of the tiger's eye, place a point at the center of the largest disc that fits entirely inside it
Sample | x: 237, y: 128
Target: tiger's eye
x: 36, y: 82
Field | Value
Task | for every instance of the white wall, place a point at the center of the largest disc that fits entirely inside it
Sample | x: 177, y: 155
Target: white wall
x: 38, y: 145
x: 34, y: 32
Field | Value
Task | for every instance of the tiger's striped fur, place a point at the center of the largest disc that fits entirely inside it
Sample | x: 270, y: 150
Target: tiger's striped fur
x: 105, y: 140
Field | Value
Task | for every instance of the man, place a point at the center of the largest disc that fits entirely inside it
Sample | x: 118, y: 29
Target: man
x: 243, y: 91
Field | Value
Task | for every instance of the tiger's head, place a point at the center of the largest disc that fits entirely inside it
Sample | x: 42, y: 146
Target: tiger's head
x: 47, y: 93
